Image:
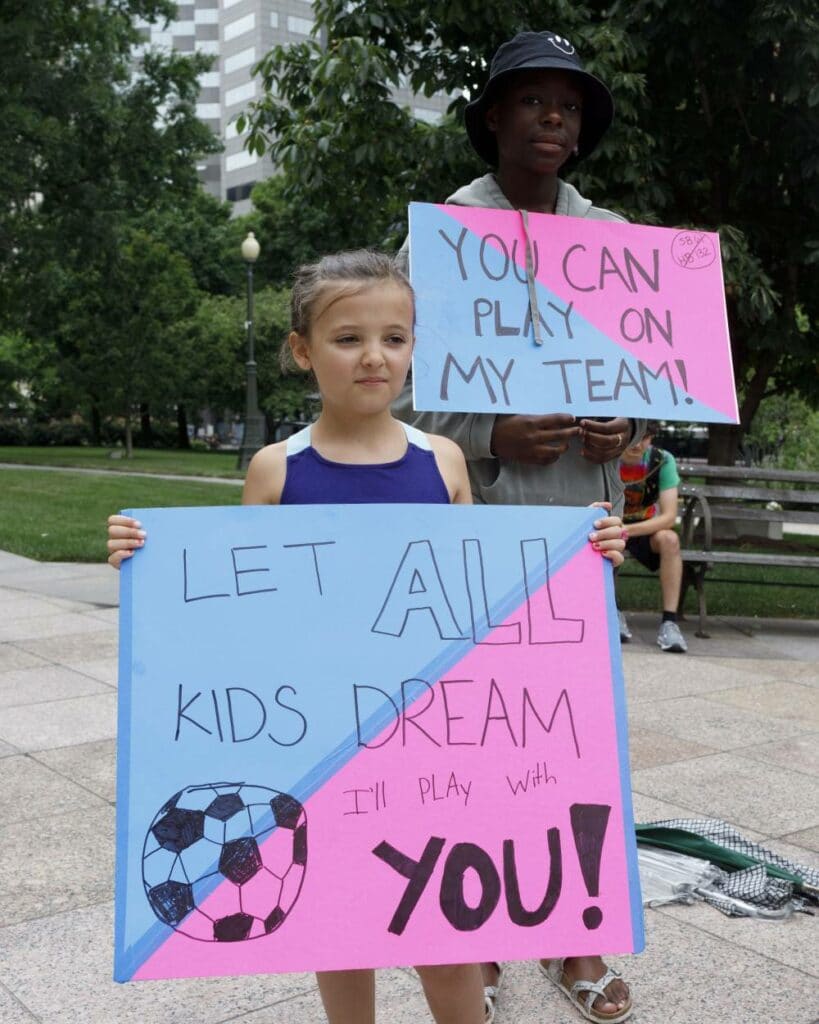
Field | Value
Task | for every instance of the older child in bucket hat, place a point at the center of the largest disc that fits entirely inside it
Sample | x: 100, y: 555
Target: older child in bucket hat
x: 540, y: 110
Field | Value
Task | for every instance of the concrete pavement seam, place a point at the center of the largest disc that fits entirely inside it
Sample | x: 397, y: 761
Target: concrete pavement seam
x: 19, y: 1002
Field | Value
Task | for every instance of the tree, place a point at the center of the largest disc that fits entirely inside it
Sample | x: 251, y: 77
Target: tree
x: 95, y: 160
x: 718, y: 117
x: 80, y: 134
x: 734, y: 104
x: 198, y: 227
x: 216, y: 341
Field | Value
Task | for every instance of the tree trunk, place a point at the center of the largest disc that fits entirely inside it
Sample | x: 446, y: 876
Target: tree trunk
x: 96, y: 424
x: 145, y: 428
x: 182, y: 439
x: 723, y: 443
x: 129, y: 436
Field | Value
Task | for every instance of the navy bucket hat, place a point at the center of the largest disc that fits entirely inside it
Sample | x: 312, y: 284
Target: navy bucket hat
x: 530, y: 51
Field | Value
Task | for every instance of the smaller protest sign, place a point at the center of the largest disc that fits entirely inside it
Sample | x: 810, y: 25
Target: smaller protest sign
x: 609, y: 319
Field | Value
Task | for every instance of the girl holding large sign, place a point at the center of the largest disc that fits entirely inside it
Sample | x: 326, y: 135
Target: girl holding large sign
x: 352, y: 327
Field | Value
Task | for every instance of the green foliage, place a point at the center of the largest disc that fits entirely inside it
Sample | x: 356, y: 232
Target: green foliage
x: 198, y: 227
x: 785, y: 433
x: 12, y: 359
x: 82, y: 141
x: 216, y: 340
x: 105, y: 233
x: 733, y: 99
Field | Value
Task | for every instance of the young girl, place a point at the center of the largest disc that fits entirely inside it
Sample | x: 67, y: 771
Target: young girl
x: 352, y: 326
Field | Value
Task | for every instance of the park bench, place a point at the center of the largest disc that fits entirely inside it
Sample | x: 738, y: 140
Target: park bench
x: 726, y: 505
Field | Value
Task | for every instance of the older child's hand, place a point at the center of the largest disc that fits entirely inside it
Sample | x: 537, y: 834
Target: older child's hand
x: 606, y: 440
x: 125, y: 536
x: 609, y: 535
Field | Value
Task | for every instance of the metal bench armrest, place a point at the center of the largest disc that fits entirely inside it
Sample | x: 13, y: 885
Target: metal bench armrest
x: 694, y: 498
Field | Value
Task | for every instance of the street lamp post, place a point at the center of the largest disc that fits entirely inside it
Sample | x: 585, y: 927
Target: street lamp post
x: 253, y: 436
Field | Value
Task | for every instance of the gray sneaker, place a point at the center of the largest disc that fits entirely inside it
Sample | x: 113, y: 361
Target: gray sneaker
x: 671, y: 639
x: 625, y: 632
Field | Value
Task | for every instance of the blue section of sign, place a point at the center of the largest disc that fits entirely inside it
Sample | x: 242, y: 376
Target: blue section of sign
x: 251, y: 705
x: 475, y: 349
x: 621, y: 717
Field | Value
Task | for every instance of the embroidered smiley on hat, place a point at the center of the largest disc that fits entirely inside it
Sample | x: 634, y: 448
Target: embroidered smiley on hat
x: 561, y: 44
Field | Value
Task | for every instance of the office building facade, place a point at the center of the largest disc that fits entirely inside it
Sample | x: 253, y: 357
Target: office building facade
x: 238, y: 33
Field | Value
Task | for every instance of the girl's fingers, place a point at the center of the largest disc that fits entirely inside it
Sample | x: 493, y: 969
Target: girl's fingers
x: 607, y: 537
x: 124, y: 543
x: 609, y: 521
x: 118, y: 520
x: 133, y: 537
x: 610, y: 533
x: 125, y: 536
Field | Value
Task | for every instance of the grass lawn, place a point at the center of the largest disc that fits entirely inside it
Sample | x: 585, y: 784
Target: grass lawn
x: 145, y: 460
x: 639, y: 590
x: 60, y: 517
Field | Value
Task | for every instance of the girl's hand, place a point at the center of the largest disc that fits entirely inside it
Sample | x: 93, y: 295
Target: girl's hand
x: 609, y: 535
x: 125, y: 536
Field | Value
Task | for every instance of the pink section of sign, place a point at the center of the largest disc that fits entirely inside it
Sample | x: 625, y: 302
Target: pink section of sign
x: 502, y: 729
x: 687, y: 271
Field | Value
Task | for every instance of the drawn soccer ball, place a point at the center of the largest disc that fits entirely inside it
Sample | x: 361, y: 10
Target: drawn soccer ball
x: 225, y: 861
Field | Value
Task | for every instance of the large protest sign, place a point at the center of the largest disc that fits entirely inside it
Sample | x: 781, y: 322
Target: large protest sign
x: 631, y: 319
x: 366, y: 736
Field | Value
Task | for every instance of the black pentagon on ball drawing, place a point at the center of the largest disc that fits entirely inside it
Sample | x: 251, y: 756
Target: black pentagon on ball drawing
x: 225, y: 861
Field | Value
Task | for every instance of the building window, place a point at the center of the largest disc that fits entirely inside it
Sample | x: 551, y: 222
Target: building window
x: 299, y: 26
x: 240, y: 93
x: 240, y: 159
x: 239, y: 192
x: 240, y: 60
x: 208, y: 110
x: 240, y: 26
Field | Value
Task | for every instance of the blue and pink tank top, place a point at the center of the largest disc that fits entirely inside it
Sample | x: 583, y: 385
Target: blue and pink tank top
x: 313, y: 480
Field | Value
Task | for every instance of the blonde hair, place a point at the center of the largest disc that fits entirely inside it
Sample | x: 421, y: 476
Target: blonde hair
x: 346, y: 273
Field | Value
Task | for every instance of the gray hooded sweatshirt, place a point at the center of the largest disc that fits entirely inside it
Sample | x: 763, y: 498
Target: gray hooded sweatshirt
x: 572, y: 480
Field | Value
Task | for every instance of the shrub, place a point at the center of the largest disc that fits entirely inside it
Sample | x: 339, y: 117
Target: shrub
x: 13, y: 432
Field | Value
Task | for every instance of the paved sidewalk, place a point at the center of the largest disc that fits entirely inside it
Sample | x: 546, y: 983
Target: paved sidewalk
x: 730, y: 730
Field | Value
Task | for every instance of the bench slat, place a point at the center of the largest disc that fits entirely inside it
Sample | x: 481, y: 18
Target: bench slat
x: 763, y: 514
x: 748, y: 473
x: 751, y: 558
x: 751, y: 493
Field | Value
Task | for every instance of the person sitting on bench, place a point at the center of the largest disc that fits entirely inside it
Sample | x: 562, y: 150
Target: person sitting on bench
x: 650, y: 479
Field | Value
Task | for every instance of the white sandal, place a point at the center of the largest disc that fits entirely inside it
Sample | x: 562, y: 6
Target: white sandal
x: 490, y: 996
x: 583, y: 993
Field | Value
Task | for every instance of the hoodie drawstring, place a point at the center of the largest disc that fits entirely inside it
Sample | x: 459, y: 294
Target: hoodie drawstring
x: 530, y: 279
